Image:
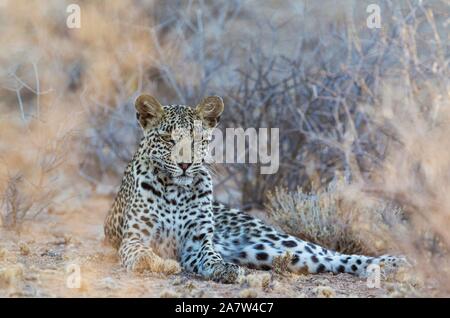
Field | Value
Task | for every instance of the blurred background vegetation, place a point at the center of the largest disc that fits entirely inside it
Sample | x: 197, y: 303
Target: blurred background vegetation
x: 363, y: 113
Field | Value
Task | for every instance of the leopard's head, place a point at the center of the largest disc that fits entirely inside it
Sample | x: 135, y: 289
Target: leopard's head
x: 176, y: 137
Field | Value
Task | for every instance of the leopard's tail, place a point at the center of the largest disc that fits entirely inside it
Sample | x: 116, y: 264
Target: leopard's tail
x: 245, y: 240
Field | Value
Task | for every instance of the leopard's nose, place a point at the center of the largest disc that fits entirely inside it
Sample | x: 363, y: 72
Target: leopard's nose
x: 184, y: 166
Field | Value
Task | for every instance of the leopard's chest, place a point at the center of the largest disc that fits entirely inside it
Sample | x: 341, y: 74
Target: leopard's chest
x: 166, y: 207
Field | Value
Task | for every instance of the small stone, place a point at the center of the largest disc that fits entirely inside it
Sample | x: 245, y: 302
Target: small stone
x: 248, y: 293
x: 169, y: 294
x: 325, y: 292
x: 62, y: 240
x: 323, y: 281
x: 53, y: 254
x: 24, y: 249
x: 178, y: 281
x: 3, y: 253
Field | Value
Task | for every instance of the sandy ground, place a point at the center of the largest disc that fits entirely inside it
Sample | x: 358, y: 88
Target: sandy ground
x: 43, y: 259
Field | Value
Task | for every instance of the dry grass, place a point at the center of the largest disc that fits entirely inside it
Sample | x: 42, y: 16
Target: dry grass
x: 31, y: 174
x: 337, y: 219
x: 416, y: 175
x: 281, y: 264
x: 17, y: 206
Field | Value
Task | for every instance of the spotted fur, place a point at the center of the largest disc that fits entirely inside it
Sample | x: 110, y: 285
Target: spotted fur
x: 164, y: 213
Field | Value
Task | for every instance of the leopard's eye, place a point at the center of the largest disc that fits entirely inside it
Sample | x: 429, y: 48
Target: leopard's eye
x: 167, y: 138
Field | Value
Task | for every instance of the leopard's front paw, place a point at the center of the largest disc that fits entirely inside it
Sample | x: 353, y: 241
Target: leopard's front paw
x: 154, y: 263
x: 227, y: 273
x: 170, y: 267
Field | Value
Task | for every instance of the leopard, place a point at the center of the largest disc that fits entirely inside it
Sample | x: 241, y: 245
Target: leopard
x: 165, y: 219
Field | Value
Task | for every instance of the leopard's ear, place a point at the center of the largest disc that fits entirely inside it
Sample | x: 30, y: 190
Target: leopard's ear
x: 149, y: 111
x: 209, y: 110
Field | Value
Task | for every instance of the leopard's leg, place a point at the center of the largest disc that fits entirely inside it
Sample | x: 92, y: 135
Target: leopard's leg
x: 137, y: 257
x: 199, y: 256
x: 113, y: 226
